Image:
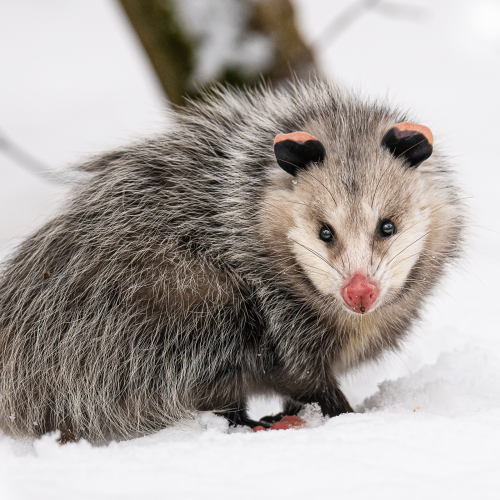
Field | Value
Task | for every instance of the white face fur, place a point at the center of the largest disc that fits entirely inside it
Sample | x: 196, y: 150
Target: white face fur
x: 352, y: 201
x: 331, y: 268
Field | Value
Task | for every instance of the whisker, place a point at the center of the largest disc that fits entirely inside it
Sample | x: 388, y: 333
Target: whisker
x: 387, y: 249
x: 371, y: 256
x: 309, y: 265
x: 319, y: 256
x: 482, y: 227
x: 348, y: 262
x: 289, y: 201
x: 378, y: 183
x: 418, y: 239
x: 362, y: 337
x: 267, y: 203
x: 449, y: 203
x: 411, y: 147
x: 302, y: 263
x: 342, y: 260
x: 406, y: 258
x: 290, y: 163
x: 327, y: 190
x: 407, y: 229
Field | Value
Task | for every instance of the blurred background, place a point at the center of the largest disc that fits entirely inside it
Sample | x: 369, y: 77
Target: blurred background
x: 82, y: 76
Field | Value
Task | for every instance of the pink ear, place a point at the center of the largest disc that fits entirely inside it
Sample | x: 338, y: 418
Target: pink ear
x: 300, y: 137
x: 414, y: 127
x: 410, y: 142
x: 297, y: 151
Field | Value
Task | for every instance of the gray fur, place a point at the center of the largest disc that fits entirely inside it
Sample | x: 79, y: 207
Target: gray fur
x: 173, y: 281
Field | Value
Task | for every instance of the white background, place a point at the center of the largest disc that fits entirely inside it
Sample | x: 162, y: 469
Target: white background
x: 74, y: 82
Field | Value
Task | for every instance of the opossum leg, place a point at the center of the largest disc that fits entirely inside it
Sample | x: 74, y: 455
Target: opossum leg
x: 290, y: 409
x: 328, y: 396
x: 271, y: 419
x: 332, y: 401
x: 68, y: 435
x: 240, y: 417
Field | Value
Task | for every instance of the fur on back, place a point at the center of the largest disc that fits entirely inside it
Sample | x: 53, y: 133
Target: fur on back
x: 185, y: 273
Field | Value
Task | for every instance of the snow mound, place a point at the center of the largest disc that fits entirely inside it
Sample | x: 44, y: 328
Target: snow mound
x: 461, y: 383
x: 432, y: 433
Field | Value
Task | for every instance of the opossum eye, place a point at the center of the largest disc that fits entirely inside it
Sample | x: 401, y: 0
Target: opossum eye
x: 410, y: 142
x: 386, y: 228
x: 297, y: 151
x: 326, y: 234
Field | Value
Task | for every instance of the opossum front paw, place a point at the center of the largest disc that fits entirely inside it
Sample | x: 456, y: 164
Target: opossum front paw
x: 271, y: 419
x: 287, y: 422
x: 257, y: 424
x: 240, y: 417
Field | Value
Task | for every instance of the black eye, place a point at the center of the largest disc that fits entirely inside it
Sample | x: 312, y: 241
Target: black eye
x: 386, y: 228
x: 326, y: 234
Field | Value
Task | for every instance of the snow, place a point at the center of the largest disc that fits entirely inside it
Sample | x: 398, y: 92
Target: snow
x: 384, y: 454
x: 74, y: 83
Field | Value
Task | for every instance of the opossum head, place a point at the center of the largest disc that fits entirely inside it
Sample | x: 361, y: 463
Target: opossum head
x: 365, y: 216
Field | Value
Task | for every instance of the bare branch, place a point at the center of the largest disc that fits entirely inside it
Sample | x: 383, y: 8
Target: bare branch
x: 29, y: 162
x: 344, y: 21
x: 357, y: 10
x: 408, y: 12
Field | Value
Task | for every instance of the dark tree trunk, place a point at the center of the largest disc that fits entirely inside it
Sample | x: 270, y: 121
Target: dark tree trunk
x: 174, y: 48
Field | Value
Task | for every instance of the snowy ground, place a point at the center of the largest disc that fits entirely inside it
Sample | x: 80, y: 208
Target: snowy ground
x: 73, y: 83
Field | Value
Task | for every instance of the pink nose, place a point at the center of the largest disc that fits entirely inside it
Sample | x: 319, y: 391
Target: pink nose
x: 360, y: 295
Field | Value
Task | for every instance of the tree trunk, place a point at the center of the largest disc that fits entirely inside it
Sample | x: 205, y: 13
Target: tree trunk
x: 192, y: 44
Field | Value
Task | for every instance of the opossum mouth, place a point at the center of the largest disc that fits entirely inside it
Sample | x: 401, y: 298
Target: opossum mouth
x: 361, y: 310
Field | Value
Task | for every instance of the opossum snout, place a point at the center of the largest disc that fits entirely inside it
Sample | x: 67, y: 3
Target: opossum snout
x: 359, y: 294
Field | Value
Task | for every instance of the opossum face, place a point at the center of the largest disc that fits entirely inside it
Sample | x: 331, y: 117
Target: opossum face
x: 359, y: 217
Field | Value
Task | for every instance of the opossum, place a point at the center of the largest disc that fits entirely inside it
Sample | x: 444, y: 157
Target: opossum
x: 268, y: 242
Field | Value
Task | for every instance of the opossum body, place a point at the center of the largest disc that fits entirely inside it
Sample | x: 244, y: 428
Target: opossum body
x: 194, y: 270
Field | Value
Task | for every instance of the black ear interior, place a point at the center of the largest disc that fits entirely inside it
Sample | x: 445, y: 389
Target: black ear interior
x: 293, y: 156
x: 408, y: 144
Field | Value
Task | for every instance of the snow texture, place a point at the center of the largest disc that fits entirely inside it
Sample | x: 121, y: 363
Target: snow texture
x: 428, y: 422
